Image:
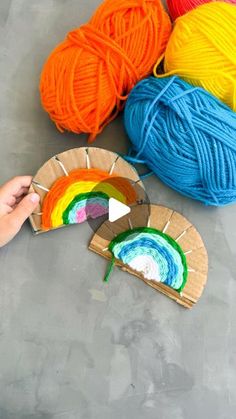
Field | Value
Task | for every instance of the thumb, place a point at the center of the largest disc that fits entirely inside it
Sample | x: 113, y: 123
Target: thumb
x: 24, y: 209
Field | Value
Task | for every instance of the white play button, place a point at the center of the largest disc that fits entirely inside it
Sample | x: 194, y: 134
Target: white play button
x: 117, y: 210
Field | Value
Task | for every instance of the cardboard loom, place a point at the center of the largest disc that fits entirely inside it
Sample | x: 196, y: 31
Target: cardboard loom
x: 176, y: 226
x: 77, y: 158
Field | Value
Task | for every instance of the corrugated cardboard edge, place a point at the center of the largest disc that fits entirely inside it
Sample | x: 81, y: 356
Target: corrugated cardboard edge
x: 74, y: 159
x: 191, y: 240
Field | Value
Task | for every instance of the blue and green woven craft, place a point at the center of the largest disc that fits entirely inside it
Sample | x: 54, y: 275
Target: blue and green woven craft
x: 153, y: 253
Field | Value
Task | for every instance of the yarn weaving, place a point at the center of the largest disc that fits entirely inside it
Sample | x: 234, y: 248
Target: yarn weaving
x: 86, y: 79
x: 153, y: 253
x: 202, y: 50
x: 185, y: 136
x: 84, y: 194
x: 180, y: 7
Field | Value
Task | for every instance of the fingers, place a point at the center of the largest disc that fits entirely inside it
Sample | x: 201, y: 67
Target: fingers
x: 6, y: 234
x: 22, y: 211
x: 15, y: 207
x: 10, y: 206
x: 11, y: 223
x: 5, y: 209
x: 15, y: 187
x: 22, y: 191
x: 13, y: 200
x: 19, y: 199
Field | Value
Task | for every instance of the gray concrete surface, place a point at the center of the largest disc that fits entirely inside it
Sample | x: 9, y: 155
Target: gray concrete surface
x: 70, y: 347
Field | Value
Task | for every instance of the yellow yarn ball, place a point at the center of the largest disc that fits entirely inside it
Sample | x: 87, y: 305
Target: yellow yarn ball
x: 202, y: 50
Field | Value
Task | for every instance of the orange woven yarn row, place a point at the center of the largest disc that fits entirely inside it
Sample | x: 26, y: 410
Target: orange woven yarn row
x: 87, y: 77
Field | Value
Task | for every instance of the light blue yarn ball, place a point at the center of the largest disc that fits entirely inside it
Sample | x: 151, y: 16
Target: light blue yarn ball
x: 186, y: 136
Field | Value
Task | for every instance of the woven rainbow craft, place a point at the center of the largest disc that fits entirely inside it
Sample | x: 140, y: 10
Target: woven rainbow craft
x: 76, y: 186
x: 83, y: 194
x: 160, y: 247
x: 154, y: 254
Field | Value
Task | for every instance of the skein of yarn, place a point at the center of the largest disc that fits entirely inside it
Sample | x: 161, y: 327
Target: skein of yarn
x: 186, y: 137
x: 180, y: 7
x: 202, y: 50
x: 86, y: 79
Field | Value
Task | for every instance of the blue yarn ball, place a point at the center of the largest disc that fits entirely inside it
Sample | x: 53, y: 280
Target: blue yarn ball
x: 186, y: 136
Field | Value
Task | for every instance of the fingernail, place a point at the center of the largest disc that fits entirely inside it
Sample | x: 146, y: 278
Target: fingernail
x: 34, y: 197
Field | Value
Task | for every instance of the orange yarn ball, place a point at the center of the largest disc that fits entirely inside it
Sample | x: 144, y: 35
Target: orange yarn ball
x: 87, y: 78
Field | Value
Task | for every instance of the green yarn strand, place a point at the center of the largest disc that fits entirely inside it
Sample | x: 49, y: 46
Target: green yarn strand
x: 109, y: 270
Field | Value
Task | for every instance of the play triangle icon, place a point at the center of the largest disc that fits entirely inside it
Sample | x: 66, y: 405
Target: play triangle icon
x: 117, y: 210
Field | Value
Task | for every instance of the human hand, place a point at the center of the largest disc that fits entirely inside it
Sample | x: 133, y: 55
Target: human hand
x: 15, y: 206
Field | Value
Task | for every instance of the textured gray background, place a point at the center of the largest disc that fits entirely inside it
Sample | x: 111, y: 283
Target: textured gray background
x: 71, y: 347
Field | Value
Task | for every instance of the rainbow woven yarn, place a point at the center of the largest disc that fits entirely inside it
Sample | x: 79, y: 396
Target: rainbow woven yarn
x: 186, y: 137
x: 83, y: 194
x: 153, y: 253
x: 202, y: 50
